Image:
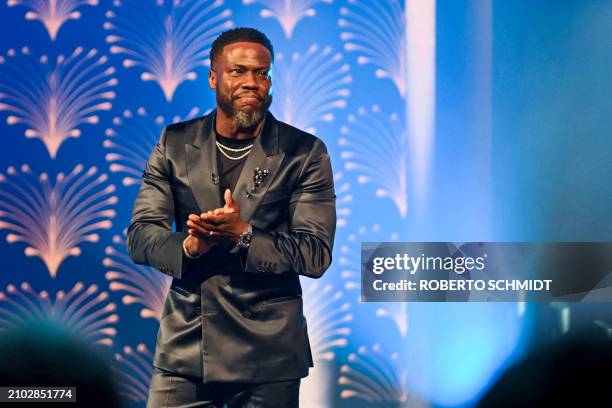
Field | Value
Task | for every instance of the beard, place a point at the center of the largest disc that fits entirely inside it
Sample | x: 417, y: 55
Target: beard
x: 243, y: 118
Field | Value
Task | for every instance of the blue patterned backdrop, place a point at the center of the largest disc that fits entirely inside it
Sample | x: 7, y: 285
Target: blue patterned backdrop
x: 445, y: 121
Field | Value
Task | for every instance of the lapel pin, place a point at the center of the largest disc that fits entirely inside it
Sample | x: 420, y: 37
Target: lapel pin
x: 258, y: 177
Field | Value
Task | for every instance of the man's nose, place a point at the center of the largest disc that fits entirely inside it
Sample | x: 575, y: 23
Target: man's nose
x: 250, y: 80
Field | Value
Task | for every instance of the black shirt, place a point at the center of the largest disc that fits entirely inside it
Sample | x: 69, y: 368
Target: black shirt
x: 229, y: 170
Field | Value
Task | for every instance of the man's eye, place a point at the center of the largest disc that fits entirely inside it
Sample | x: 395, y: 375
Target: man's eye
x: 264, y: 74
x: 236, y: 71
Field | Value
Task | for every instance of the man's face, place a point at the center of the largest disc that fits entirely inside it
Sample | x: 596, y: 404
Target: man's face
x: 241, y: 79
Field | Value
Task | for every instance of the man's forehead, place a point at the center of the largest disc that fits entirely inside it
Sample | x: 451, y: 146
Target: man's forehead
x: 248, y: 51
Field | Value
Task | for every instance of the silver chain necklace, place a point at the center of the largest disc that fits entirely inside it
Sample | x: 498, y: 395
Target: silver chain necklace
x: 242, y: 149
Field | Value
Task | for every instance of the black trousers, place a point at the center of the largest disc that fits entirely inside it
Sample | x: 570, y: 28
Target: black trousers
x: 168, y: 390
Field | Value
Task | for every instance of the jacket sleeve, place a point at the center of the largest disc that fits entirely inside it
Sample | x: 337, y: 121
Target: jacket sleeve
x: 307, y: 248
x: 150, y: 238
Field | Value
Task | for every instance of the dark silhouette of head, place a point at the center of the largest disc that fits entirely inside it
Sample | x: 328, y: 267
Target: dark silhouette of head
x: 573, y: 371
x: 43, y: 354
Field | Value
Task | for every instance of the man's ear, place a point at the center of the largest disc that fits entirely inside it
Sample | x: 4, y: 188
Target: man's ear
x: 212, y: 79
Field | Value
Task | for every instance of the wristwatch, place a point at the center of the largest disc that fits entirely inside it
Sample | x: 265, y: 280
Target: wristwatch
x: 244, y: 241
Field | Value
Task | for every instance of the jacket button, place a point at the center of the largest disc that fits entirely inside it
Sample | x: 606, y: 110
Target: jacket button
x: 247, y: 314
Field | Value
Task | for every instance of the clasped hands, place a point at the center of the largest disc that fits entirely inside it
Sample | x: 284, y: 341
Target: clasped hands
x: 206, y: 229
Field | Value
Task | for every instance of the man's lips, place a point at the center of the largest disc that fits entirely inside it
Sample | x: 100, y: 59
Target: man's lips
x: 247, y: 97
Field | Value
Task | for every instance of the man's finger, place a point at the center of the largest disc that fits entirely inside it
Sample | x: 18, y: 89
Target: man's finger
x: 222, y: 234
x: 204, y: 236
x: 206, y: 233
x: 228, y: 197
x: 211, y: 212
x: 218, y: 220
x: 203, y: 226
x: 197, y: 229
x: 214, y: 218
x: 196, y: 221
x: 217, y: 234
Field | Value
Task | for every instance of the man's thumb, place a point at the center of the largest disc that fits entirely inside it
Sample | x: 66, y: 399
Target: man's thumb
x: 228, y: 197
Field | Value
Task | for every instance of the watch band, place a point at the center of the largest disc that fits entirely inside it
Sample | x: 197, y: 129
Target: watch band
x: 244, y: 241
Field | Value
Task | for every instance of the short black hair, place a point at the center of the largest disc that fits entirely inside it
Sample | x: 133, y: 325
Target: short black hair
x: 239, y: 34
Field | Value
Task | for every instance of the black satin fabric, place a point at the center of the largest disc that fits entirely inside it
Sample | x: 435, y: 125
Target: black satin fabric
x: 169, y: 390
x: 236, y: 318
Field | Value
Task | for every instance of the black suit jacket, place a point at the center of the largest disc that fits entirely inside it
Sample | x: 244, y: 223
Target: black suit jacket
x: 245, y: 322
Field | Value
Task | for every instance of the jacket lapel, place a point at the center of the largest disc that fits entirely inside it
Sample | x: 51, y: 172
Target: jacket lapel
x: 265, y: 155
x: 201, y: 161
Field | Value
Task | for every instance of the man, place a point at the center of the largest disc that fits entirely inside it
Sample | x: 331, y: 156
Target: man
x: 254, y: 205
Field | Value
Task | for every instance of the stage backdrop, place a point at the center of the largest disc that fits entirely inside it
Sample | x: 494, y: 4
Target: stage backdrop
x: 445, y: 121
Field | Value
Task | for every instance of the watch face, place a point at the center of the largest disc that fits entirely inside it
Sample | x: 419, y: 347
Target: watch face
x: 245, y: 239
